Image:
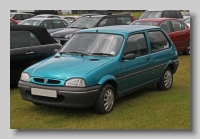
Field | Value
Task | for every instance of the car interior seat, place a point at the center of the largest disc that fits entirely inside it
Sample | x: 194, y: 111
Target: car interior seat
x: 132, y: 47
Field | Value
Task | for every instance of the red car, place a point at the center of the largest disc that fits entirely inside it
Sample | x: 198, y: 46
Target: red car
x: 177, y: 30
x: 13, y: 22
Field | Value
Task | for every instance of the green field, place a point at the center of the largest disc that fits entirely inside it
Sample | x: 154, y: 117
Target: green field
x: 144, y: 109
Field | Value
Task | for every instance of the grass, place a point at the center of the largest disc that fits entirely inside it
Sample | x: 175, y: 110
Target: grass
x: 147, y: 109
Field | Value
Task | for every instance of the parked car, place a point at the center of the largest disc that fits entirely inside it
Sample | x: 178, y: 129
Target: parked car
x: 187, y: 21
x: 70, y: 19
x: 90, y: 21
x: 28, y: 45
x: 13, y: 22
x: 162, y: 14
x: 21, y: 16
x: 186, y: 15
x: 46, y: 16
x: 177, y: 30
x: 51, y: 24
x: 99, y: 65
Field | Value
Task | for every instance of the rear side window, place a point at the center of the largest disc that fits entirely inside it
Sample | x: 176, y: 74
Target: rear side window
x: 25, y: 16
x: 136, y: 44
x: 158, y: 41
x: 18, y: 39
x: 107, y: 22
x: 172, y: 14
x: 179, y: 15
x: 18, y: 17
x: 124, y: 20
x: 47, y: 24
x: 58, y: 24
x: 33, y: 40
x: 165, y: 25
x: 178, y: 26
x: 165, y: 14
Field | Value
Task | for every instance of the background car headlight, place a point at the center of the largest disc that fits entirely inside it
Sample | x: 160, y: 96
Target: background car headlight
x: 76, y: 82
x: 68, y: 36
x: 25, y: 77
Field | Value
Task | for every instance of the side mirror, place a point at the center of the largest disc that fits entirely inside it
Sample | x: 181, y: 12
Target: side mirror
x: 55, y: 51
x: 129, y: 56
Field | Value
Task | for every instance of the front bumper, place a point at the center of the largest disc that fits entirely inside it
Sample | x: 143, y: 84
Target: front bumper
x: 66, y: 96
x: 176, y: 64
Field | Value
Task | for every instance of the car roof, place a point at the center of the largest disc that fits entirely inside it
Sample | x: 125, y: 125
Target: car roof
x: 42, y: 19
x: 46, y: 15
x: 120, y: 29
x: 40, y: 32
x: 21, y: 13
x: 108, y: 15
x: 162, y: 10
x: 155, y: 19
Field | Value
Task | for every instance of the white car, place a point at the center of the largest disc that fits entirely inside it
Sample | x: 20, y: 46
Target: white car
x: 187, y: 21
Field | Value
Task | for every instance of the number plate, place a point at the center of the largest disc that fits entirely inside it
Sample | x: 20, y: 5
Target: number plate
x: 43, y: 92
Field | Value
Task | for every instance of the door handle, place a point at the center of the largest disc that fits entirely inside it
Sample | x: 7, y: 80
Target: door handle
x: 28, y: 53
x: 148, y: 58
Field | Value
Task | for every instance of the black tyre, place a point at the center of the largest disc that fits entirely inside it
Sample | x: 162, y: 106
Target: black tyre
x: 105, y: 101
x: 187, y: 50
x: 166, y: 80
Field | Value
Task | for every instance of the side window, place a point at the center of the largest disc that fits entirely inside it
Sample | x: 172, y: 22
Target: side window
x: 49, y: 16
x: 178, y: 26
x: 107, y: 22
x: 165, y: 25
x: 55, y: 17
x: 136, y: 44
x: 33, y: 40
x: 18, y: 39
x: 47, y: 24
x: 31, y: 15
x: 123, y: 20
x: 179, y: 14
x: 165, y: 14
x: 58, y: 24
x: 17, y: 17
x: 66, y: 24
x: 158, y: 41
x: 25, y: 16
x: 172, y: 14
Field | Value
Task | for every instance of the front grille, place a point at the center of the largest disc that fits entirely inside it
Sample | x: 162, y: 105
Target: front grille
x: 46, y: 81
x: 39, y: 80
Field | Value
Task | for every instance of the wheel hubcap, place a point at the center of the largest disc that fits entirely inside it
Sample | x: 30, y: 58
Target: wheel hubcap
x: 108, y: 100
x: 167, y: 79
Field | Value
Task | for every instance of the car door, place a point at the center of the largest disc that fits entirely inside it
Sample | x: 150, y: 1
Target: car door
x: 20, y: 54
x: 138, y: 71
x: 160, y: 49
x: 179, y: 35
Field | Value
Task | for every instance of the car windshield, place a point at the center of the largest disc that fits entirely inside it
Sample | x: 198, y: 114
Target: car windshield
x: 85, y: 22
x: 94, y: 44
x: 145, y: 23
x: 151, y: 14
x: 11, y: 15
x: 187, y: 20
x: 30, y: 22
x: 186, y: 14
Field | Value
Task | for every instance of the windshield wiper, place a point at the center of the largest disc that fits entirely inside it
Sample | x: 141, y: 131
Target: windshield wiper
x: 100, y: 54
x: 78, y: 53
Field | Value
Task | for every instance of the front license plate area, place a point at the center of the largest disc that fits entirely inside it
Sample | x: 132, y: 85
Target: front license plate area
x: 44, y: 92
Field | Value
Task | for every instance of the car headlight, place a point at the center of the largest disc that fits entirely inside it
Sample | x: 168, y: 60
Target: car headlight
x: 25, y: 77
x: 68, y: 36
x: 75, y: 82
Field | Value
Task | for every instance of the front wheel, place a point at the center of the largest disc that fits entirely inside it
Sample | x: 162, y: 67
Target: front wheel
x: 187, y: 50
x: 166, y: 80
x: 105, y: 101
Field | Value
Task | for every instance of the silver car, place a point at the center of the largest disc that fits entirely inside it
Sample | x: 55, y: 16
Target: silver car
x: 46, y: 16
x: 51, y: 24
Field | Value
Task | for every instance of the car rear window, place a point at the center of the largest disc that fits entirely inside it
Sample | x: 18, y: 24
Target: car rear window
x: 85, y: 22
x: 30, y: 22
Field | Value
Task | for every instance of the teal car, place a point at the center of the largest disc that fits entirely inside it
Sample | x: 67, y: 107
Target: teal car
x: 99, y: 65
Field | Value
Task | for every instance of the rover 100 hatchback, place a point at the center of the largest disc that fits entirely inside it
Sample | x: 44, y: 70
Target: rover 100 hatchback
x: 99, y: 65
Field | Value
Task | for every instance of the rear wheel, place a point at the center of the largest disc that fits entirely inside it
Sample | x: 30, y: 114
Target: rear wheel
x: 105, y: 101
x: 166, y: 80
x: 187, y: 50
